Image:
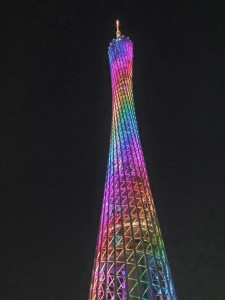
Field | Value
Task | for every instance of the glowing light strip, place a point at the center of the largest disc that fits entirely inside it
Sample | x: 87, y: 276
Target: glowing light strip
x: 130, y: 260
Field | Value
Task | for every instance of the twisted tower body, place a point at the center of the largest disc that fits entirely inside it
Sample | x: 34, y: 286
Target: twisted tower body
x: 130, y: 261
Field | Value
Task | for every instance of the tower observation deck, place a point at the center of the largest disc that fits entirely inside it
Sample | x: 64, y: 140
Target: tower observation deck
x: 130, y: 260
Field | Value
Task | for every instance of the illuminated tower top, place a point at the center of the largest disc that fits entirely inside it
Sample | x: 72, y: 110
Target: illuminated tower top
x: 130, y: 261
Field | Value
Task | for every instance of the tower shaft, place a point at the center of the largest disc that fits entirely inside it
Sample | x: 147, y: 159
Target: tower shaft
x: 130, y: 261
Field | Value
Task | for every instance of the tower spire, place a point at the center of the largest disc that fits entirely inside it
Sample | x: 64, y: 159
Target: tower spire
x: 118, y: 33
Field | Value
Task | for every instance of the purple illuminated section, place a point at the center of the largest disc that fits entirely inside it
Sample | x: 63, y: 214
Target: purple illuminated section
x: 130, y: 260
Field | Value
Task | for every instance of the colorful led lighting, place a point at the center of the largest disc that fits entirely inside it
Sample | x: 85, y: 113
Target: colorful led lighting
x: 130, y: 261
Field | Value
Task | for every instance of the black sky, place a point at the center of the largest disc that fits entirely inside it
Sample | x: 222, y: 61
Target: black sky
x: 55, y: 114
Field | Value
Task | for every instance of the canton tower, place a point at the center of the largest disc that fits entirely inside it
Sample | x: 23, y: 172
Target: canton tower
x: 130, y: 260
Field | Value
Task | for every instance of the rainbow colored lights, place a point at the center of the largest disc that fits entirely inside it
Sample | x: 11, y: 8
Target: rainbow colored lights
x: 130, y: 261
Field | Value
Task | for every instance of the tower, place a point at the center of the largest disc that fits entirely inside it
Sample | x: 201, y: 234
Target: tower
x: 130, y: 260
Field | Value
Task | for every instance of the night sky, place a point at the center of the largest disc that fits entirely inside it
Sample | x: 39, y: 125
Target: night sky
x: 55, y: 118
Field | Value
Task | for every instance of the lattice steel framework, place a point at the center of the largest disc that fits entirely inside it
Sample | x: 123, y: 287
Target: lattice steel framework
x: 130, y: 261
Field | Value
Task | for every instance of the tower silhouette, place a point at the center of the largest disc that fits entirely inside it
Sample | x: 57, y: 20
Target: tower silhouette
x: 130, y: 260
